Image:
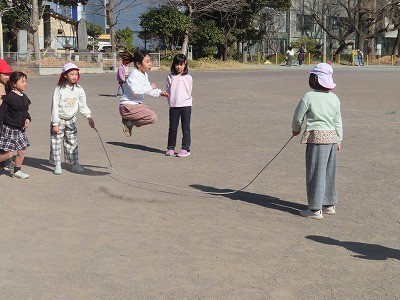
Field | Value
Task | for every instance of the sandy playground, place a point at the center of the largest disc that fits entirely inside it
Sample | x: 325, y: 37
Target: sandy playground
x: 100, y: 236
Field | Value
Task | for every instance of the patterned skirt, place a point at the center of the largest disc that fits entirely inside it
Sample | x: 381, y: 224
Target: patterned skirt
x: 12, y: 139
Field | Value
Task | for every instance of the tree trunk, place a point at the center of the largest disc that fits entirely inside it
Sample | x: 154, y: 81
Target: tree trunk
x: 244, y: 49
x: 185, y: 45
x: 111, y: 21
x: 396, y: 43
x: 34, y: 28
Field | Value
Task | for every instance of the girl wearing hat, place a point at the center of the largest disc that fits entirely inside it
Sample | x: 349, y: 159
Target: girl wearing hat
x: 68, y: 98
x: 322, y: 134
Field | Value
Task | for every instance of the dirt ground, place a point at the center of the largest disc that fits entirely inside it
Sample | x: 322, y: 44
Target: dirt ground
x: 103, y: 236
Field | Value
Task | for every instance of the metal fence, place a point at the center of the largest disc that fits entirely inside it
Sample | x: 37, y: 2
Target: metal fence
x: 51, y: 62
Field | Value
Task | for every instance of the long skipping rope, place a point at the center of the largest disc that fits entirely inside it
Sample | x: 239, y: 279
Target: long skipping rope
x: 183, y: 189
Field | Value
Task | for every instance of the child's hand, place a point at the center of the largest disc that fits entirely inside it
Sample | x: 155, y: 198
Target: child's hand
x: 164, y: 94
x: 153, y: 85
x: 295, y: 133
x: 91, y: 122
x: 27, y: 123
x: 339, y: 147
x: 56, y: 130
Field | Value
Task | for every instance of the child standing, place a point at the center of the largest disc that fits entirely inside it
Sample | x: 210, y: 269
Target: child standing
x: 131, y: 108
x: 5, y: 72
x: 15, y: 118
x: 323, y: 135
x: 179, y: 89
x: 68, y: 98
x: 123, y: 72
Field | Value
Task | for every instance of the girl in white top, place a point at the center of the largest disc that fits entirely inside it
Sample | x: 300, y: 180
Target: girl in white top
x: 131, y: 107
x: 68, y: 98
x: 179, y: 89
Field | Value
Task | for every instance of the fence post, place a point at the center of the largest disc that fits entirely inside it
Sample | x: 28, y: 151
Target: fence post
x: 339, y: 58
x: 276, y: 58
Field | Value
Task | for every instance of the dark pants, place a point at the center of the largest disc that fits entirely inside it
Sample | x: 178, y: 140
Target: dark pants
x: 184, y: 114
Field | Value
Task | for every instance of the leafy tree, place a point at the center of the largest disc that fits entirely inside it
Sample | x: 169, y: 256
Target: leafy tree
x: 167, y: 23
x: 205, y: 36
x: 94, y: 30
x: 125, y: 36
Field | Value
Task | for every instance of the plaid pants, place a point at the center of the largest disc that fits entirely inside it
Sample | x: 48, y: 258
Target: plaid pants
x: 68, y: 134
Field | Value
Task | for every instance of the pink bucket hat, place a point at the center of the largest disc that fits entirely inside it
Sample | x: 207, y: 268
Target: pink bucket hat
x: 324, y: 72
x: 68, y: 67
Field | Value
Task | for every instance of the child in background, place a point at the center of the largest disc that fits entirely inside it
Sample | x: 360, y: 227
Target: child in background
x: 131, y: 108
x: 68, y: 98
x: 5, y: 72
x: 323, y: 135
x: 179, y: 89
x: 15, y: 118
x: 123, y: 72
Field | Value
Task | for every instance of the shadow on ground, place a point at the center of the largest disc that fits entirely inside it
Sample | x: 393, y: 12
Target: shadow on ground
x: 262, y: 200
x: 108, y: 95
x: 137, y: 147
x: 44, y: 164
x: 364, y: 250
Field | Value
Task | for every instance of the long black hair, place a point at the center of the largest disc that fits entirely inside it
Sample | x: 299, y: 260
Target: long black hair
x: 179, y: 59
x: 14, y: 78
x: 139, y: 55
x: 126, y: 56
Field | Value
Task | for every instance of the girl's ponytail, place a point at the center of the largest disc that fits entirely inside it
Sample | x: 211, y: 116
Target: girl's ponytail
x: 126, y: 56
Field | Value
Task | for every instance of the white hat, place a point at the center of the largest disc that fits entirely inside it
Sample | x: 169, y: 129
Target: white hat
x: 324, y: 72
x: 69, y: 66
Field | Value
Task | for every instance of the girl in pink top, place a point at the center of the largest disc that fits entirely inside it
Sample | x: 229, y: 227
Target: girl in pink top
x: 179, y: 89
x: 123, y: 72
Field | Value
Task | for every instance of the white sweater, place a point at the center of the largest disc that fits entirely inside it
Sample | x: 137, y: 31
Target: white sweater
x: 67, y: 101
x: 136, y: 86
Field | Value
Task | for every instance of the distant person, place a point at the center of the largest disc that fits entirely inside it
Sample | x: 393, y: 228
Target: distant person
x: 179, y: 89
x: 131, y: 107
x: 68, y: 98
x: 5, y: 72
x: 301, y: 55
x: 323, y: 135
x: 360, y: 55
x: 290, y: 55
x: 123, y: 72
x: 15, y: 119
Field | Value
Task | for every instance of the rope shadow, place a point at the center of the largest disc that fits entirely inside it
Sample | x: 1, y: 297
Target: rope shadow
x: 258, y: 199
x: 364, y: 250
x: 44, y: 164
x: 137, y: 147
x: 109, y: 95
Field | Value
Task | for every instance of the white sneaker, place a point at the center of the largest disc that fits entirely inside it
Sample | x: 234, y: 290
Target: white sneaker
x: 316, y: 215
x: 329, y: 210
x: 20, y: 175
x: 78, y: 168
x: 57, y: 170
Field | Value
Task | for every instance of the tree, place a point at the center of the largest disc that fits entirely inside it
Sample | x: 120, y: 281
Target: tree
x: 167, y: 23
x: 94, y: 30
x: 125, y: 37
x: 112, y: 10
x: 205, y: 36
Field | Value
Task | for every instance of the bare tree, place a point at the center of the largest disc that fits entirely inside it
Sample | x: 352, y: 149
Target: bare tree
x: 112, y: 11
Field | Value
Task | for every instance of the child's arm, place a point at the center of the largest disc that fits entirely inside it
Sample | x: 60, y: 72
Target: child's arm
x: 298, y: 117
x: 84, y: 109
x: 54, y: 110
x: 121, y: 73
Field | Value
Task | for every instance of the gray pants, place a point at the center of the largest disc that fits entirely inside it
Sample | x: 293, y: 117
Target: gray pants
x: 321, y: 165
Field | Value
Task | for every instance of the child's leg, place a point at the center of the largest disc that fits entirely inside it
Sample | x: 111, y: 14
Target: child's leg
x: 71, y: 141
x: 139, y: 114
x: 6, y: 155
x: 317, y: 157
x: 19, y: 159
x: 185, y: 118
x: 55, y: 145
x: 330, y: 189
x: 174, y: 114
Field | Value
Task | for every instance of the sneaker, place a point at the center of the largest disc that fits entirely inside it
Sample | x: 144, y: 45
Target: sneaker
x: 329, y: 210
x: 170, y: 152
x: 316, y: 215
x: 57, y: 170
x: 183, y: 153
x: 20, y: 175
x: 78, y: 168
x: 7, y: 165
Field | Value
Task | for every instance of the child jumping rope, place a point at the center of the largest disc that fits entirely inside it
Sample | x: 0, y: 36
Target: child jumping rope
x: 131, y: 108
x: 322, y: 134
x: 179, y: 89
x: 123, y: 72
x: 68, y: 98
x: 15, y: 118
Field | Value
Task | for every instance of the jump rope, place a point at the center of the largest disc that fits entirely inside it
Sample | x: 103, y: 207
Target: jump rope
x: 183, y: 189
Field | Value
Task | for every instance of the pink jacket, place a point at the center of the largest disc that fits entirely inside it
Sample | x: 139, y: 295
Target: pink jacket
x: 179, y: 88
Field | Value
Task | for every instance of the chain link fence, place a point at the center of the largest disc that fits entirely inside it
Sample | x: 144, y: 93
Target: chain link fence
x: 51, y: 62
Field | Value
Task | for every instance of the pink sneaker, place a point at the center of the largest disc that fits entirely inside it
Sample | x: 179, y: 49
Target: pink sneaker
x: 183, y: 153
x: 170, y: 152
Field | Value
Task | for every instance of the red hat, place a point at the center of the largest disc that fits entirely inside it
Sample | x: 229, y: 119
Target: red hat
x: 4, y: 67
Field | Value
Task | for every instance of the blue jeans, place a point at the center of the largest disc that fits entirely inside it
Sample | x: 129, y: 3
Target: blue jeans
x: 184, y: 114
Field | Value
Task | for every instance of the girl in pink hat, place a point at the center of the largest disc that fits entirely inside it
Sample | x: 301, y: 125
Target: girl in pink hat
x: 69, y: 98
x: 323, y: 135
